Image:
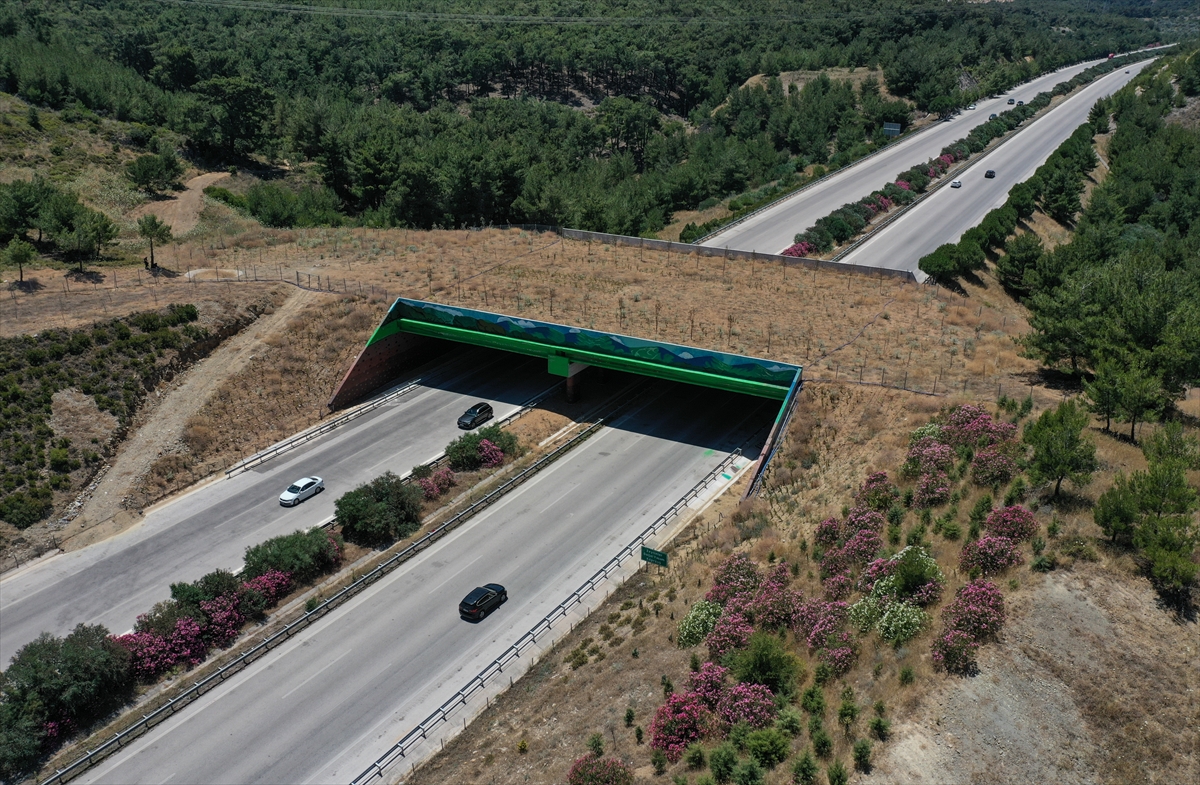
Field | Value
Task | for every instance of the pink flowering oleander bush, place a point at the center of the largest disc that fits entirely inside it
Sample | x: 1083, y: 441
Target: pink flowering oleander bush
x: 273, y: 585
x: 838, y: 587
x: 224, y: 620
x: 817, y: 620
x: 901, y: 184
x: 862, y: 519
x: 736, y: 575
x: 927, y: 455
x: 873, y: 573
x: 933, y: 490
x: 977, y: 609
x: 490, y: 454
x: 590, y: 770
x: 681, y: 720
x: 443, y: 479
x: 752, y: 704
x: 709, y: 684
x: 989, y: 555
x: 1016, y: 523
x: 800, y: 249
x: 861, y: 548
x: 428, y: 488
x: 976, y: 615
x: 732, y: 631
x: 152, y: 654
x: 876, y: 493
x: 775, y: 604
x: 840, y: 659
x: 955, y: 650
x: 972, y: 426
x: 992, y: 466
x: 829, y: 532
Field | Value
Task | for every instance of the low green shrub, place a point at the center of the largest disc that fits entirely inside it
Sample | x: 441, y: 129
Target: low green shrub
x: 379, y: 512
x: 303, y: 554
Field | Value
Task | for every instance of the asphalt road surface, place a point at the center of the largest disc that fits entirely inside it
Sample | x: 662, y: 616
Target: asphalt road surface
x: 324, y: 705
x: 944, y: 215
x: 774, y: 230
x: 113, y: 581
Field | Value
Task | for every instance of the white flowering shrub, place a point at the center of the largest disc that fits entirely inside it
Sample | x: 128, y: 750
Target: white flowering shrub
x: 698, y: 623
x: 930, y: 429
x: 865, y: 613
x: 901, y: 622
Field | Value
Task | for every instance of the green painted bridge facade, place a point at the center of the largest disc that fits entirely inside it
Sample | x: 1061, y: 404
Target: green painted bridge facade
x: 568, y: 348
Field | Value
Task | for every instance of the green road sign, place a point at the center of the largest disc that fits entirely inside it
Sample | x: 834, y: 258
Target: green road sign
x: 654, y: 557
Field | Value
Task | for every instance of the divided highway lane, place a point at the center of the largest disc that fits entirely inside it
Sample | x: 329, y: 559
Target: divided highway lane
x: 113, y: 581
x: 774, y: 230
x: 325, y: 704
x: 946, y: 214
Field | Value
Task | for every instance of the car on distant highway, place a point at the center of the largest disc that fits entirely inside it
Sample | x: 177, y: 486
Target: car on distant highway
x: 1020, y: 103
x: 482, y: 601
x: 972, y: 106
x: 300, y: 490
x: 992, y: 116
x: 990, y: 173
x: 476, y: 415
x: 956, y: 183
x: 1126, y: 70
x: 1012, y: 101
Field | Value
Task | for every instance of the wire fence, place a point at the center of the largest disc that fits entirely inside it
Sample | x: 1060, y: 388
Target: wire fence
x: 496, y: 667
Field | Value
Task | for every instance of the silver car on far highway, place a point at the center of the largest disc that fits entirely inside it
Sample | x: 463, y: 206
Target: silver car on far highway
x: 300, y: 490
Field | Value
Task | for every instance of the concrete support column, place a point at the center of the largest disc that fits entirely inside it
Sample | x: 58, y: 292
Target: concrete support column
x: 562, y: 366
x: 574, y: 386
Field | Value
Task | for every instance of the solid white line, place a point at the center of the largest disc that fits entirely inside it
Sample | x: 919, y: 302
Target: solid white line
x: 315, y: 675
x: 559, y: 498
x: 455, y: 575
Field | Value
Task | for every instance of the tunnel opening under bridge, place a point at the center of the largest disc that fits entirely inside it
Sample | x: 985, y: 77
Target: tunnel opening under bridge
x: 414, y: 331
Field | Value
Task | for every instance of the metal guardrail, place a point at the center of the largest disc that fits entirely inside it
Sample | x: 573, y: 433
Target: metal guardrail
x: 198, y: 688
x: 496, y: 666
x: 301, y: 438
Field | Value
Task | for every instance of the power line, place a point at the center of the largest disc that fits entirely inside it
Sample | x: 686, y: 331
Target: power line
x: 514, y: 19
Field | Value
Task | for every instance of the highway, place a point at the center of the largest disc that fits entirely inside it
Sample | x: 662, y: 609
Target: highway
x: 948, y: 212
x: 773, y: 230
x: 324, y: 705
x: 113, y: 581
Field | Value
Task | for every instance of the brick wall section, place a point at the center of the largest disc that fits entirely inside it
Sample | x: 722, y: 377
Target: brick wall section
x: 382, y: 362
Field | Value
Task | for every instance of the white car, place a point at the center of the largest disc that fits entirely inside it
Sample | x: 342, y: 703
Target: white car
x: 300, y: 490
x: 972, y: 106
x: 956, y: 183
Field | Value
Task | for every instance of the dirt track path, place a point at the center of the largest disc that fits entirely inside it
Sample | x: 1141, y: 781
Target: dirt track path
x: 182, y: 213
x: 163, y: 421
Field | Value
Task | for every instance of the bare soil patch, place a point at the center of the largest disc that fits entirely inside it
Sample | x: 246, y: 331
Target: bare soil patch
x: 182, y: 211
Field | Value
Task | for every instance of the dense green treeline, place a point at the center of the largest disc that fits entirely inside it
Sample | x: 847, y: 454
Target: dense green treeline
x: 1127, y: 287
x: 414, y: 122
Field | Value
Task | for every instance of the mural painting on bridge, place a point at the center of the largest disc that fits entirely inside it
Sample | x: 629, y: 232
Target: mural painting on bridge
x: 544, y: 338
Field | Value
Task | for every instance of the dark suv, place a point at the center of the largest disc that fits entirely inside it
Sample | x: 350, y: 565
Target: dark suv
x: 990, y: 173
x: 482, y: 601
x: 476, y: 415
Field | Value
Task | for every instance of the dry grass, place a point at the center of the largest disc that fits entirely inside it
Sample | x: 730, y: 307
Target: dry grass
x: 280, y: 391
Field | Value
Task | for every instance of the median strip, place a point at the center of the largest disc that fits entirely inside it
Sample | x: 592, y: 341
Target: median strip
x: 236, y: 664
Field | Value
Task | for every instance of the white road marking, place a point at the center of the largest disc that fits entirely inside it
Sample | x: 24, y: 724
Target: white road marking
x: 315, y: 675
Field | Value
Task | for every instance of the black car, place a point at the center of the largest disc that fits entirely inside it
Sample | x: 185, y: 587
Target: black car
x: 1020, y: 103
x: 992, y: 116
x: 476, y: 415
x: 481, y: 601
x: 1012, y: 101
x: 990, y: 173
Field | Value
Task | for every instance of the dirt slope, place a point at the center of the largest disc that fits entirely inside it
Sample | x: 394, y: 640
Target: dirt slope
x: 181, y: 212
x: 161, y: 426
